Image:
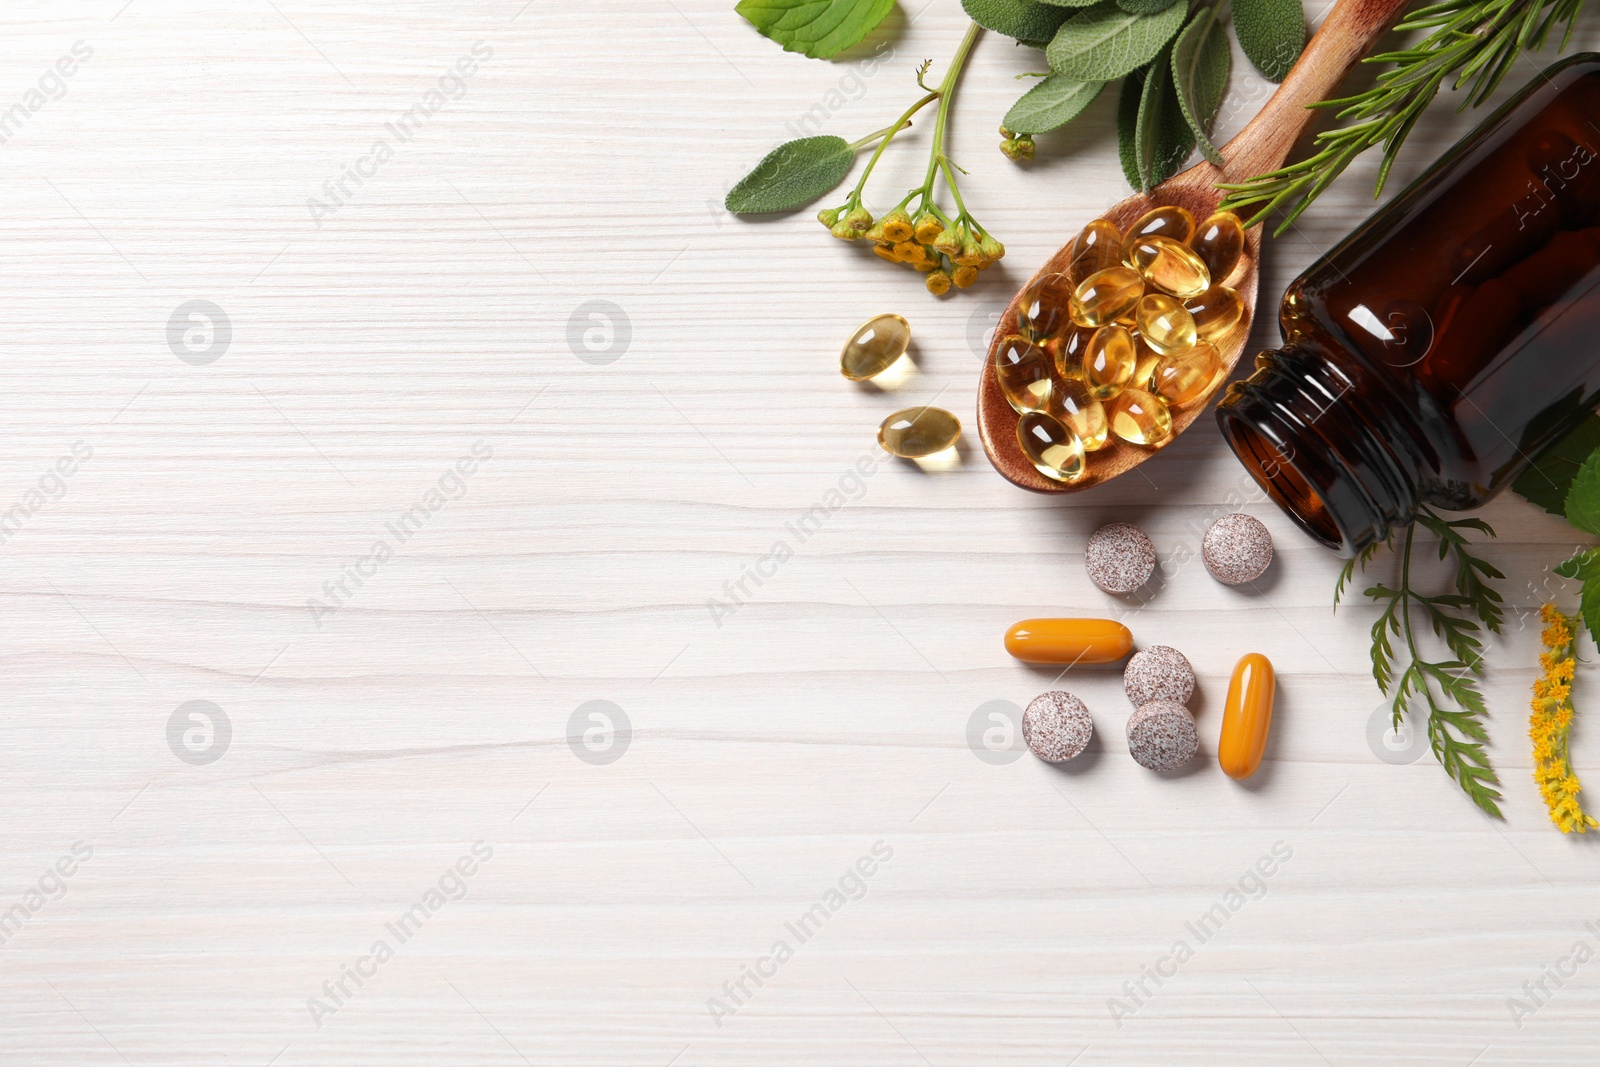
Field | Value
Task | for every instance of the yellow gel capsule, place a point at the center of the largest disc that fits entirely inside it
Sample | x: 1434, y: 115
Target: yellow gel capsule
x: 1085, y: 416
x: 1146, y: 365
x: 1098, y: 246
x: 1187, y: 375
x: 1069, y: 641
x: 1106, y: 296
x: 1109, y: 362
x: 1169, y: 220
x: 1219, y: 240
x: 915, y: 433
x: 1045, y: 309
x: 878, y: 344
x: 1023, y: 369
x: 1165, y: 324
x: 1246, y: 717
x: 1051, y: 446
x: 1216, y: 311
x: 1068, y: 349
x: 1140, y: 418
x: 1169, y: 266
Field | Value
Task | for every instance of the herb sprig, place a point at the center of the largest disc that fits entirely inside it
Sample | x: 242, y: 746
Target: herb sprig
x: 1476, y: 41
x: 1447, y: 688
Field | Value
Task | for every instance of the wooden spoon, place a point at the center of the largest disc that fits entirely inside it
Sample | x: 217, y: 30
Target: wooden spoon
x: 1346, y: 34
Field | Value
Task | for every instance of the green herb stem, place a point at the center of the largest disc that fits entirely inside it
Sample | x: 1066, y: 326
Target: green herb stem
x: 887, y: 133
x: 941, y: 121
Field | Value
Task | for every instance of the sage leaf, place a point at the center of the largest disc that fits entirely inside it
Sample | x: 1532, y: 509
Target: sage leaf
x: 1055, y: 101
x: 1162, y: 137
x: 1105, y: 42
x: 1583, y: 499
x: 791, y: 175
x: 1271, y: 32
x: 1547, y: 481
x: 1128, y: 126
x: 1200, y: 62
x: 820, y: 29
x: 1070, y: 3
x: 1145, y: 7
x: 1024, y: 20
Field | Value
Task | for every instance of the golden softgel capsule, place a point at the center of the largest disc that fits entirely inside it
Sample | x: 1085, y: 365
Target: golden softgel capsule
x: 1108, y: 362
x: 1051, y: 446
x: 1068, y: 349
x: 1045, y: 309
x: 1069, y: 641
x: 1072, y: 403
x: 878, y: 344
x: 1169, y: 220
x: 1169, y: 266
x: 1106, y: 296
x: 1165, y: 324
x: 1140, y: 418
x: 1099, y: 246
x: 1219, y: 240
x: 1186, y: 376
x: 1023, y: 369
x: 1215, y: 311
x: 916, y: 433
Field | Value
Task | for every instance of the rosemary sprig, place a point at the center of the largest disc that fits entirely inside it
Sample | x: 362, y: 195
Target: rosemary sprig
x: 1456, y: 712
x: 1475, y: 40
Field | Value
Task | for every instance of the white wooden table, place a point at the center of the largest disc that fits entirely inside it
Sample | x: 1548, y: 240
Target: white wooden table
x: 225, y: 479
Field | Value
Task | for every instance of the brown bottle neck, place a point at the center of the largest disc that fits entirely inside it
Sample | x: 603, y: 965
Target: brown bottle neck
x: 1325, y: 446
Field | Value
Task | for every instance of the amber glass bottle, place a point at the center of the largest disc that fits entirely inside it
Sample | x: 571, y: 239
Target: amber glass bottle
x: 1448, y: 339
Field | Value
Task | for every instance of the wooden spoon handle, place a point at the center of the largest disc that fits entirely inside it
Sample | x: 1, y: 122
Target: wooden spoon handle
x: 1344, y: 37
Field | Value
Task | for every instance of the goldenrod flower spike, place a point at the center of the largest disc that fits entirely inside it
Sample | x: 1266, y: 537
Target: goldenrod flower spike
x: 1551, y: 723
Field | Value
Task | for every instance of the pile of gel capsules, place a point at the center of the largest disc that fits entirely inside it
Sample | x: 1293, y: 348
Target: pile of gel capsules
x: 1121, y: 337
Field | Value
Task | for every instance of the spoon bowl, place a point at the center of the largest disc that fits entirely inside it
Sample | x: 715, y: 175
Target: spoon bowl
x: 1344, y: 37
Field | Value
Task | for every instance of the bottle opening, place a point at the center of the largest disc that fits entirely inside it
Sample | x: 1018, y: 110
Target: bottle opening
x: 1283, y: 482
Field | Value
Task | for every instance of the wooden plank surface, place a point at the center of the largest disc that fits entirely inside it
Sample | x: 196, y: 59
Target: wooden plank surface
x: 410, y: 364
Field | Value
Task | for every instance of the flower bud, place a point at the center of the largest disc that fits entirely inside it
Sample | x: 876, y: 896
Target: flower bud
x: 876, y: 235
x: 992, y: 250
x: 885, y: 253
x: 897, y: 226
x: 859, y: 220
x: 842, y: 230
x: 949, y: 242
x: 938, y: 283
x: 964, y: 276
x: 928, y: 227
x: 828, y: 216
x: 1006, y: 133
x: 1018, y: 149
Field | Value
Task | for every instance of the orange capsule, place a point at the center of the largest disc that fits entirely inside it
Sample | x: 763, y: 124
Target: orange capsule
x: 1069, y: 641
x: 1246, y: 716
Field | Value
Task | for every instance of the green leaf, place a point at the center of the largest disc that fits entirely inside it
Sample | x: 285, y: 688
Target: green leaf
x: 791, y: 175
x: 820, y: 29
x: 1105, y: 42
x: 1200, y: 62
x: 1145, y: 7
x: 1271, y: 32
x: 1024, y: 20
x: 1128, y: 126
x: 1055, y: 101
x: 1583, y: 498
x: 1069, y: 3
x: 1162, y: 137
x: 1545, y: 483
x: 1585, y: 566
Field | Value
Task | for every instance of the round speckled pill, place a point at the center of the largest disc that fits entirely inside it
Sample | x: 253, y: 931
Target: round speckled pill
x: 1161, y: 736
x: 1237, y: 549
x: 1158, y: 673
x: 1119, y: 558
x: 1056, y: 726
